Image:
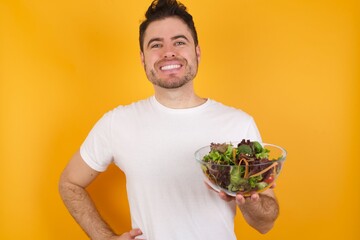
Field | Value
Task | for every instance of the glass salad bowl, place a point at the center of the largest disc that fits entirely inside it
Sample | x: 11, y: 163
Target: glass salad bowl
x: 242, y: 167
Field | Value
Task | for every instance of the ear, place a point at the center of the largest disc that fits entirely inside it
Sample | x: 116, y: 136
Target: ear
x: 198, y: 52
x: 142, y: 57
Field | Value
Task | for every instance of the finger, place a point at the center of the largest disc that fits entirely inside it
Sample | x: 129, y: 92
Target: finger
x: 222, y: 194
x: 225, y: 197
x: 240, y: 199
x: 135, y: 232
x: 208, y: 186
x: 255, y: 197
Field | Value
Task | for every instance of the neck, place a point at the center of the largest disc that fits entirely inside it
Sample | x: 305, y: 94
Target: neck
x: 183, y: 97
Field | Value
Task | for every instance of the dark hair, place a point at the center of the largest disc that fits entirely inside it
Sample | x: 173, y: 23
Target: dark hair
x: 161, y: 9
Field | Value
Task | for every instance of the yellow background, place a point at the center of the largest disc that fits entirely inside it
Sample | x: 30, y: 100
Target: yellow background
x: 293, y: 65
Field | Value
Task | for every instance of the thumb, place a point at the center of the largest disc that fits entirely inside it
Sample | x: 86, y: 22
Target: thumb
x: 135, y: 232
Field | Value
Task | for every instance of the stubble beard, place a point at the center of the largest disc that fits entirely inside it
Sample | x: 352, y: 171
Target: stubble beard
x: 172, y: 82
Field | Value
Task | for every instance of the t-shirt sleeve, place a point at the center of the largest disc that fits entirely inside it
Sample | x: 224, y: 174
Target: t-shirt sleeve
x: 96, y: 149
x: 253, y: 132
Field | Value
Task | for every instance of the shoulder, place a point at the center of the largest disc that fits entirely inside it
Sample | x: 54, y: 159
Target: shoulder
x: 134, y: 107
x: 220, y: 108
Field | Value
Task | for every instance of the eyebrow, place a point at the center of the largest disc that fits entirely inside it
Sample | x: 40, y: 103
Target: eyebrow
x: 180, y: 36
x: 162, y: 39
x: 155, y: 40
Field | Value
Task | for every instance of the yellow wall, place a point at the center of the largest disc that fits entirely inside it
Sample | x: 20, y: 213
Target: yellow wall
x: 293, y: 65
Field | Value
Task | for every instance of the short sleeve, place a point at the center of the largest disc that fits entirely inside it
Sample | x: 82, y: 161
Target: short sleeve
x: 96, y: 149
x: 253, y: 133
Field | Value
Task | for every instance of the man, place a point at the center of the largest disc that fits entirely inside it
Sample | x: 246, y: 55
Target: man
x: 153, y: 141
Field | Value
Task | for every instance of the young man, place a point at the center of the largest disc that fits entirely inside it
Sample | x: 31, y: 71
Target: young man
x: 153, y: 141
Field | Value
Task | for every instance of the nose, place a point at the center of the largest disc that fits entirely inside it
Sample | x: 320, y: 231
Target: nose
x: 169, y: 55
x: 169, y: 52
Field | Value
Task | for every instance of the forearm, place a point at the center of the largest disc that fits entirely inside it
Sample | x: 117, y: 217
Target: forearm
x: 82, y: 208
x: 261, y: 213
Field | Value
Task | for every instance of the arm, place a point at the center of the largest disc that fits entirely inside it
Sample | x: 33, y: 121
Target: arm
x: 75, y: 178
x: 259, y: 210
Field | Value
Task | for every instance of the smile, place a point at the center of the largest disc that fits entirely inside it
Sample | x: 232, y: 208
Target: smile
x: 170, y: 67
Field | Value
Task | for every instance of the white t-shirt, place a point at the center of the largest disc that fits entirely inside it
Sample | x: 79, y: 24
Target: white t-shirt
x: 154, y: 146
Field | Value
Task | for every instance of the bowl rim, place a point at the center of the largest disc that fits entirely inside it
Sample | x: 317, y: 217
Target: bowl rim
x: 283, y: 157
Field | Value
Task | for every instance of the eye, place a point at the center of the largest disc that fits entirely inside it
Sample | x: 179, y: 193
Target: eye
x: 156, y: 45
x: 179, y: 43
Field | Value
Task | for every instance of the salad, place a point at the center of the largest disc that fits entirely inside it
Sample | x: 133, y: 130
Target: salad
x: 245, y: 168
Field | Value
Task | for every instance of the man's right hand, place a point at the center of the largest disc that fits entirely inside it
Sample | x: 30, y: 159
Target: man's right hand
x: 132, y: 234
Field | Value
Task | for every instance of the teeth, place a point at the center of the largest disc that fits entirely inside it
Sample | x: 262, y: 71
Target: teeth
x: 169, y: 67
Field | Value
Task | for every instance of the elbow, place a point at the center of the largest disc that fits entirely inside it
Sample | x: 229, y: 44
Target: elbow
x: 62, y: 185
x: 265, y: 229
x: 65, y: 187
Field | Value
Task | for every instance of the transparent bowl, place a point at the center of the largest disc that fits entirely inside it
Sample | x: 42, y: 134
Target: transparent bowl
x: 245, y: 178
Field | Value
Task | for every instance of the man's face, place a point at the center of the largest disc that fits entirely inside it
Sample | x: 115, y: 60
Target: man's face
x: 170, y: 57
